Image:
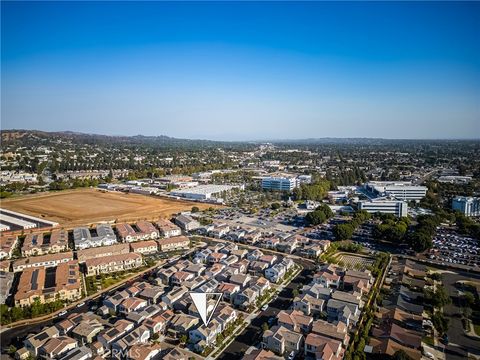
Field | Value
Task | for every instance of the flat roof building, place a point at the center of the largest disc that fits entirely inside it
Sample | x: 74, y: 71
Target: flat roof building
x: 398, y: 208
x: 279, y: 183
x: 401, y: 190
x: 469, y: 206
x: 205, y: 192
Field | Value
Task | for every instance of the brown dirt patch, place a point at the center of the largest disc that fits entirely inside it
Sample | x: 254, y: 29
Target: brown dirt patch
x: 86, y: 206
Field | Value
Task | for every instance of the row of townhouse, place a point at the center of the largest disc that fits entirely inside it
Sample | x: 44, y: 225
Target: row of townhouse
x: 8, y: 245
x: 104, y: 235
x: 44, y: 243
x: 282, y: 242
x: 49, y: 260
x: 61, y: 282
x: 401, y: 322
x: 82, y: 337
x: 144, y: 310
x: 101, y: 235
x: 114, y: 263
x: 337, y: 311
x: 297, y: 333
x: 142, y: 230
x: 333, y: 276
x: 153, y: 246
x: 72, y: 338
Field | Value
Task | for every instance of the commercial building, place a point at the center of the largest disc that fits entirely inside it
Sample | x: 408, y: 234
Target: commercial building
x: 18, y: 221
x: 205, y: 192
x: 279, y: 183
x: 104, y: 265
x: 469, y: 206
x: 401, y: 190
x: 398, y: 208
x: 41, y: 244
x: 49, y: 284
x: 102, y: 235
x: 13, y: 222
x: 42, y: 261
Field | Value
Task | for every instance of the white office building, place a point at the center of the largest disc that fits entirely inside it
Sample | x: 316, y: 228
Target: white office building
x: 469, y: 206
x: 398, y: 208
x: 279, y: 183
x: 401, y: 190
x: 205, y: 192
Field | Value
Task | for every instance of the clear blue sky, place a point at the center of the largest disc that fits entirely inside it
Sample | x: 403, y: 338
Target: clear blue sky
x: 239, y: 71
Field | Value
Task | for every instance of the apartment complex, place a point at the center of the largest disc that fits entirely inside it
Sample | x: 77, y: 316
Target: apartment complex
x: 102, y: 235
x: 49, y: 284
x: 142, y: 230
x: 168, y: 229
x: 41, y: 243
x: 121, y: 262
x: 42, y: 261
x: 469, y: 206
x: 111, y: 250
x: 174, y: 243
x: 7, y: 246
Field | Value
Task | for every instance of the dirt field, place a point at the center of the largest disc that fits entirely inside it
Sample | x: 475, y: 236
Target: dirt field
x: 87, y: 206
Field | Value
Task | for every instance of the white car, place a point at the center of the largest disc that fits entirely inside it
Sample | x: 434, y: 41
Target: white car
x: 264, y: 307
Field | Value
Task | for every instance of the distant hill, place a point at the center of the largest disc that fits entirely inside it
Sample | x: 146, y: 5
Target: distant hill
x: 36, y: 137
x: 25, y: 137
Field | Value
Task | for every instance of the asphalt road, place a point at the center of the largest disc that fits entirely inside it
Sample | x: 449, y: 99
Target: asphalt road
x: 252, y: 335
x: 459, y: 343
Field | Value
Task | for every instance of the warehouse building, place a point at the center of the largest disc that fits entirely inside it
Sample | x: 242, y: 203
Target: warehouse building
x: 205, y: 192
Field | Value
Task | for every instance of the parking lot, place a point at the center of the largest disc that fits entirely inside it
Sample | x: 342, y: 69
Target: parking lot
x: 449, y: 247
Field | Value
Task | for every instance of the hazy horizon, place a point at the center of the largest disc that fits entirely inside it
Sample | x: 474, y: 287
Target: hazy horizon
x: 243, y: 71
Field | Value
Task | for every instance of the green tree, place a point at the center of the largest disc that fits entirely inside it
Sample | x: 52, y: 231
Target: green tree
x: 401, y: 355
x: 343, y: 231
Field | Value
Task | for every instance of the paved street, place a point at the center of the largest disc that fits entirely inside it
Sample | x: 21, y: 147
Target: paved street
x: 253, y: 333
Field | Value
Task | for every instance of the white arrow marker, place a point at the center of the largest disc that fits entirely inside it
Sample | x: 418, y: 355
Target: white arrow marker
x: 200, y: 300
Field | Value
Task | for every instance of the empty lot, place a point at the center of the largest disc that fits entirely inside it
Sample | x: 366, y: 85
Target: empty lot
x: 85, y: 206
x: 355, y: 262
